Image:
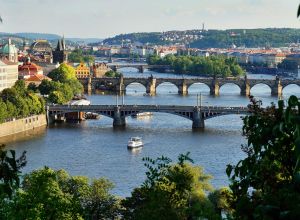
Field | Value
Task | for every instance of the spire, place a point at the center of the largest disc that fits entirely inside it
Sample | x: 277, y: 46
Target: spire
x: 63, y: 42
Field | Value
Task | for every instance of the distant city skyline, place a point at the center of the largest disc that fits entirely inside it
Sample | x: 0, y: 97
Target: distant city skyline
x: 107, y: 18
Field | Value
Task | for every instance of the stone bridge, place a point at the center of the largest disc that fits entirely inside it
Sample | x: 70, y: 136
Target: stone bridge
x: 214, y: 84
x: 197, y: 114
x: 140, y: 67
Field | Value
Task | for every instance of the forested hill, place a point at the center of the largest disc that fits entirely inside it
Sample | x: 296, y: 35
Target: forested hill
x: 274, y: 37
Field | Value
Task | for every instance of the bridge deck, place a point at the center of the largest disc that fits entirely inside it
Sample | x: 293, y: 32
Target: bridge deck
x: 146, y: 108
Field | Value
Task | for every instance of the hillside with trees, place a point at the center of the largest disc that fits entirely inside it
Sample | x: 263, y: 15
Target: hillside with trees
x: 273, y: 37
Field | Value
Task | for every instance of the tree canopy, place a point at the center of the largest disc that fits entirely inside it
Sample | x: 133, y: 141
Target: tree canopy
x: 64, y: 85
x: 78, y: 56
x: 266, y: 184
x: 217, y: 66
x: 19, y: 101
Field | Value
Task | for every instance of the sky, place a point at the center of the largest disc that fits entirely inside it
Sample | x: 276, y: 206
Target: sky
x: 106, y: 18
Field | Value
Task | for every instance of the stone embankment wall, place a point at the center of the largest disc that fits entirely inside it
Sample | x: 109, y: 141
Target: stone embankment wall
x: 21, y: 125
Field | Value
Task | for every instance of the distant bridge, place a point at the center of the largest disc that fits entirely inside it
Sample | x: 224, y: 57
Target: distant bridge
x: 140, y: 67
x: 197, y: 114
x: 214, y: 84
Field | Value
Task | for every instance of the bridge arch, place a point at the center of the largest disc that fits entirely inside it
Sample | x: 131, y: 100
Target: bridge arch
x: 134, y: 87
x: 170, y: 87
x: 260, y: 88
x: 230, y: 88
x: 103, y: 84
x: 292, y: 88
x: 129, y: 67
x: 198, y: 87
x: 186, y: 115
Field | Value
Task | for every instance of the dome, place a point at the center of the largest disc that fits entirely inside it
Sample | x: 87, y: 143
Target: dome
x: 41, y: 46
x: 9, y: 49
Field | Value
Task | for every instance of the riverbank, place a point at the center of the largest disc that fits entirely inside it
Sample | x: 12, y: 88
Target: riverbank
x: 21, y: 125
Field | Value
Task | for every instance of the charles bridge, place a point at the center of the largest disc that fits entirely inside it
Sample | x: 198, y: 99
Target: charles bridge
x: 140, y: 67
x: 214, y: 84
x: 197, y: 114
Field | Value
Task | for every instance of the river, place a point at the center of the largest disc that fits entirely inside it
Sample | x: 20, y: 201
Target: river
x: 95, y: 149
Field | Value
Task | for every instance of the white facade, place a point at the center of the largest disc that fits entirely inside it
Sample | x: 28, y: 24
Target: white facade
x: 8, y: 75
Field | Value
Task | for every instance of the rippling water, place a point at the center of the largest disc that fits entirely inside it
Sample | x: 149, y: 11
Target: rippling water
x: 95, y: 149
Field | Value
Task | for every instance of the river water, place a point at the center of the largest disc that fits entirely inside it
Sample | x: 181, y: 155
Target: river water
x: 95, y: 149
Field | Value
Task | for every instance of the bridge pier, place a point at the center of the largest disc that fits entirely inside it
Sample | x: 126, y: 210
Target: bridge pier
x: 114, y: 68
x: 215, y: 88
x: 198, y: 120
x: 141, y: 69
x: 151, y: 86
x: 183, y: 89
x: 89, y: 86
x: 119, y: 120
x: 276, y: 89
x: 120, y: 87
x: 245, y: 89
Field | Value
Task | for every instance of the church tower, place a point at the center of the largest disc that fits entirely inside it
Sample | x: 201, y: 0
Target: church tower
x: 60, y: 54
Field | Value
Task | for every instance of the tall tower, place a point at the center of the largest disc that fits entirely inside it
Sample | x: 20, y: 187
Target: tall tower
x: 60, y: 54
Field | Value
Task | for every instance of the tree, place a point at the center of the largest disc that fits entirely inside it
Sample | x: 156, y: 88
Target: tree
x: 20, y: 87
x: 46, y: 87
x: 63, y: 73
x: 41, y: 197
x: 171, y: 191
x: 10, y: 167
x: 112, y: 73
x: 50, y: 194
x: 3, y: 111
x: 32, y: 87
x: 266, y: 184
x: 57, y: 97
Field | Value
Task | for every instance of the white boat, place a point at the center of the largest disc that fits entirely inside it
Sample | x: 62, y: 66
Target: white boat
x: 135, y: 142
x: 142, y: 114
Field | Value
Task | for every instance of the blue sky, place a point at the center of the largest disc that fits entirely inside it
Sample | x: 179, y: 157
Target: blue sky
x: 104, y: 18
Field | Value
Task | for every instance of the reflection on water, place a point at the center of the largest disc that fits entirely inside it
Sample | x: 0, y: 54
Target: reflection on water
x: 37, y: 132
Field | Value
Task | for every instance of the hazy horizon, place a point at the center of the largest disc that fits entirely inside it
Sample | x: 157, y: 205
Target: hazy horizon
x: 107, y: 18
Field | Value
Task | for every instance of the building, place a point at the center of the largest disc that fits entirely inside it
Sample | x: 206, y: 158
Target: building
x: 29, y: 69
x: 41, y: 51
x: 9, y: 52
x: 294, y: 58
x: 98, y: 70
x: 35, y: 79
x: 60, y: 54
x: 8, y: 74
x: 82, y: 71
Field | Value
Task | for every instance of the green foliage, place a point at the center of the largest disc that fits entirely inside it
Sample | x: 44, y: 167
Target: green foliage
x: 63, y: 87
x: 63, y: 73
x: 171, y: 191
x: 32, y: 87
x: 78, y: 56
x: 222, y: 199
x: 274, y: 37
x: 19, y: 101
x: 266, y: 184
x: 9, y: 171
x: 112, y: 73
x: 49, y: 194
x: 216, y: 66
x: 152, y: 38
